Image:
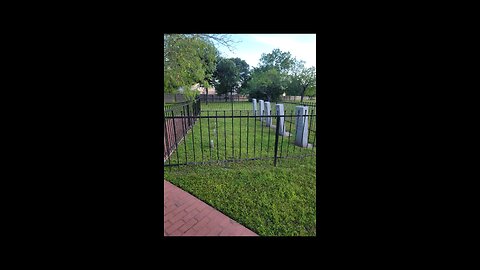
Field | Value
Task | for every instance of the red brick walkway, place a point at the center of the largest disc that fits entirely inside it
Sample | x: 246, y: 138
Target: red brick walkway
x: 185, y: 215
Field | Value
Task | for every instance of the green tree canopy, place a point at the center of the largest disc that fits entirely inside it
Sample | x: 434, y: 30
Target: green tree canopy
x: 227, y: 76
x: 301, y: 80
x: 188, y: 60
x: 281, y: 61
x: 266, y: 84
x: 243, y: 74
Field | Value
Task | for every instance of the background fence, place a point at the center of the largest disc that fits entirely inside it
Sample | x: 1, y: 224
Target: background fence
x: 297, y: 98
x: 222, y: 98
x: 176, y: 128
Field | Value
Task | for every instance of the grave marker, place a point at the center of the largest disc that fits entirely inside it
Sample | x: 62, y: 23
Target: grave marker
x: 301, y: 126
x: 280, y: 111
x: 268, y: 119
x: 262, y: 108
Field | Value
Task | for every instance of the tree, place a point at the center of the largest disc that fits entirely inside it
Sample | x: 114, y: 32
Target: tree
x: 301, y: 79
x: 311, y: 91
x: 293, y: 87
x: 243, y: 74
x: 266, y: 84
x: 307, y: 78
x: 226, y: 76
x: 281, y: 61
x: 190, y: 59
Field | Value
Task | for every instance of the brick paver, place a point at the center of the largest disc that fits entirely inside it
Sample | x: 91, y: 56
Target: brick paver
x: 185, y: 215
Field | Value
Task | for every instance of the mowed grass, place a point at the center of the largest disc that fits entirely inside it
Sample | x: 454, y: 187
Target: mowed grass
x: 235, y: 139
x: 271, y: 201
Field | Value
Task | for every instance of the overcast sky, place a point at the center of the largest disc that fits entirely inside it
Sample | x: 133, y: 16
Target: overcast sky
x: 251, y: 46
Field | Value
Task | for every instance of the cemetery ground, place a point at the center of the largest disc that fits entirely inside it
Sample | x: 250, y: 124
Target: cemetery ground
x: 271, y: 201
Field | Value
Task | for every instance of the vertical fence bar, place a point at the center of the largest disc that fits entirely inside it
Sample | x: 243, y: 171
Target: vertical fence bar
x: 209, y: 140
x: 225, y: 132
x: 248, y: 117
x: 216, y: 133
x: 193, y: 140
x: 283, y: 132
x: 269, y: 128
x: 254, y: 134
x: 240, y: 145
x: 185, y: 139
x: 188, y: 114
x: 168, y: 148
x: 201, y: 137
x: 261, y: 140
x: 233, y: 142
x: 302, y: 150
x: 175, y: 135
x: 315, y: 137
x: 276, y: 141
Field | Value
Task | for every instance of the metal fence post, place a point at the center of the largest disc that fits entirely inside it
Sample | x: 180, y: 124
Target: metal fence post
x: 188, y: 115
x: 276, y: 140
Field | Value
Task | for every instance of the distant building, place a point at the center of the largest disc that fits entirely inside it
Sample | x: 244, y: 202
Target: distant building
x: 211, y: 90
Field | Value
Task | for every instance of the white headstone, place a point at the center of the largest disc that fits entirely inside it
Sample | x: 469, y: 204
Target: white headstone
x: 301, y: 126
x: 254, y: 102
x: 268, y: 120
x: 280, y: 111
x: 262, y: 108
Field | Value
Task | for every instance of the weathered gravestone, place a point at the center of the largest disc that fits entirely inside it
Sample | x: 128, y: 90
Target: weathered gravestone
x: 268, y: 119
x: 280, y: 111
x: 254, y: 102
x: 301, y: 126
x: 262, y: 108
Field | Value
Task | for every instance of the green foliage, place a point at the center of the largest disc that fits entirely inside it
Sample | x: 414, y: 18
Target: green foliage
x: 226, y: 76
x: 188, y: 60
x: 266, y: 84
x: 311, y: 91
x: 243, y: 72
x: 293, y: 87
x: 302, y: 80
x: 272, y: 78
x: 231, y: 76
x: 281, y: 61
x: 190, y: 94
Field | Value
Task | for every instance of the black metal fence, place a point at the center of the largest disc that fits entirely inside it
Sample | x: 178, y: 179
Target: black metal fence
x: 297, y: 98
x: 175, y: 129
x: 217, y: 136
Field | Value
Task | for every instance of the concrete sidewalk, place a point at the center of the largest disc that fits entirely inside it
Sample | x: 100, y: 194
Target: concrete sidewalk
x: 185, y: 215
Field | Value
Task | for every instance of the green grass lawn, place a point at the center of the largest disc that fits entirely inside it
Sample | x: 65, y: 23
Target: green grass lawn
x: 271, y: 201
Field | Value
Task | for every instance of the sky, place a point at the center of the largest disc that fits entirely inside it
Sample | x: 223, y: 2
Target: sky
x: 249, y: 47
